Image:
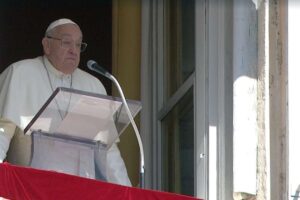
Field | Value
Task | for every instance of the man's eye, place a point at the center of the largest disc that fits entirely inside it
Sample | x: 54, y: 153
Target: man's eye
x: 67, y: 42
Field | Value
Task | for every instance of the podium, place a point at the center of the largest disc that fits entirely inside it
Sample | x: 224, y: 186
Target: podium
x: 73, y: 131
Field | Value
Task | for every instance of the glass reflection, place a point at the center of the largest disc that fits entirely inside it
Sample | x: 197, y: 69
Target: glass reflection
x: 180, y: 43
x: 178, y: 149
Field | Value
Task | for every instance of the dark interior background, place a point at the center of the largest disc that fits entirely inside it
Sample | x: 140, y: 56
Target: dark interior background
x: 23, y: 24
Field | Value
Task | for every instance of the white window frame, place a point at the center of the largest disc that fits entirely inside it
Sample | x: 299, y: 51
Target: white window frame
x: 211, y: 62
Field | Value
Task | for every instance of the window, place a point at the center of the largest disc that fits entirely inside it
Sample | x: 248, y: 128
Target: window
x: 177, y: 97
x: 173, y: 120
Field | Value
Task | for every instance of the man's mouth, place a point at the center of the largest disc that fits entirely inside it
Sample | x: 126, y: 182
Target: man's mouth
x: 71, y: 58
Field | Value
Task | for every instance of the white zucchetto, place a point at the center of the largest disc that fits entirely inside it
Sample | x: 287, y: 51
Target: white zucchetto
x: 58, y: 23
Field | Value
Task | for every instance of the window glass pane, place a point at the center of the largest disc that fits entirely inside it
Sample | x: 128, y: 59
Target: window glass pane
x: 178, y: 147
x: 179, y: 41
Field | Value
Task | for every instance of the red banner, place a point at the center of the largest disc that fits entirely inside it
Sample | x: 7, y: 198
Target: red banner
x: 28, y: 183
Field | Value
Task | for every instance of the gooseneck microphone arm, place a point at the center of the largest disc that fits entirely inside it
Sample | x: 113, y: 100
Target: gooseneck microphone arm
x: 92, y: 65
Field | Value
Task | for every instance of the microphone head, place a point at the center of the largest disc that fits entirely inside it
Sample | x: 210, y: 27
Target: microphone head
x: 90, y: 64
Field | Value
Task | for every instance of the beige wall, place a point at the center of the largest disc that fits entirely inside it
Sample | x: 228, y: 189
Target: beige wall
x: 126, y: 68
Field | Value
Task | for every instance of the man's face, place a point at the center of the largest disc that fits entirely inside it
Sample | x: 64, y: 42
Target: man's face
x: 63, y: 47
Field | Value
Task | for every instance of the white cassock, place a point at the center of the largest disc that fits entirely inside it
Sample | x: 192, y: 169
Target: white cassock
x: 24, y: 88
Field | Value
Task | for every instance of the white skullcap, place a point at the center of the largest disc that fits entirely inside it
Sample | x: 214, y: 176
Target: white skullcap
x: 58, y: 23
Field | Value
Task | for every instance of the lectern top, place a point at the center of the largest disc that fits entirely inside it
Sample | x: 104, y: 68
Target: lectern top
x: 83, y: 115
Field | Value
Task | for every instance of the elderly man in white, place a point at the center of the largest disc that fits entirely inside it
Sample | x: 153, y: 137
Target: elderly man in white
x: 26, y: 85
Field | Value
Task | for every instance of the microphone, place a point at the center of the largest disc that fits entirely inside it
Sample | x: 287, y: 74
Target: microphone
x: 93, y: 65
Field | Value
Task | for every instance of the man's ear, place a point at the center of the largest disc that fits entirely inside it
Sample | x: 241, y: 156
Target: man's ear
x: 46, y: 46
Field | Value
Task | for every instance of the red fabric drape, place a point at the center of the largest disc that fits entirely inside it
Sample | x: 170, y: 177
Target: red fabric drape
x: 28, y: 183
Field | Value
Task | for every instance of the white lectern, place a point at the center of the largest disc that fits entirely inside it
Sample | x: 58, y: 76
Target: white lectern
x: 74, y: 129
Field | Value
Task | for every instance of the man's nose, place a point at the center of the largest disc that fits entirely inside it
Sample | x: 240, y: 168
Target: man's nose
x: 73, y: 48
